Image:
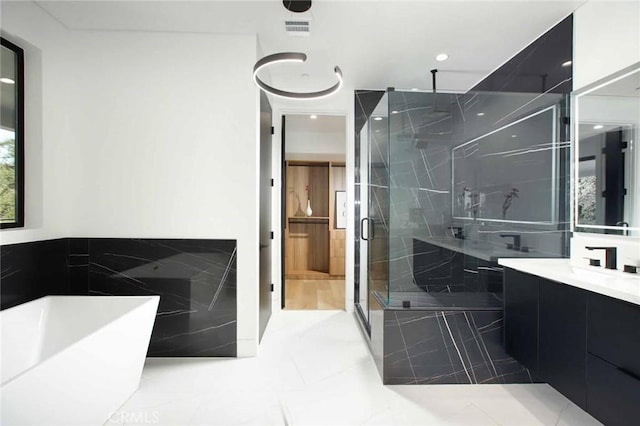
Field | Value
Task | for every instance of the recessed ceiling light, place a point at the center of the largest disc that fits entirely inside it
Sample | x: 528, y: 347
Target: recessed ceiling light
x: 598, y: 126
x: 313, y: 116
x: 442, y: 57
x: 394, y: 112
x: 377, y: 131
x: 7, y: 80
x: 514, y: 136
x: 480, y: 114
x: 377, y: 118
x: 567, y: 64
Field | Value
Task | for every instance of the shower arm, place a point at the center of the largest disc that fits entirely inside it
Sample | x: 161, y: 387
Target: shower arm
x: 433, y: 79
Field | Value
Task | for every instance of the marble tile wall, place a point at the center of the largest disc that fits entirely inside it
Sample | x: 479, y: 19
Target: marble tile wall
x: 447, y: 347
x: 196, y: 281
x: 439, y: 270
x: 32, y: 270
x: 424, y: 127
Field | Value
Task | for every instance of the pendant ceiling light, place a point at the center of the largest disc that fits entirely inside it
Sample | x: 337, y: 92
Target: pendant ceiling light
x: 292, y: 57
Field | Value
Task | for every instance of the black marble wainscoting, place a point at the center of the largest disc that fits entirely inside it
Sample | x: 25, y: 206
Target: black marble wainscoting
x: 436, y: 342
x: 196, y: 281
x: 32, y: 270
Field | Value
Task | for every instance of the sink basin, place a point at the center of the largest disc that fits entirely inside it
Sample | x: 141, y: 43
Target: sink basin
x: 594, y: 273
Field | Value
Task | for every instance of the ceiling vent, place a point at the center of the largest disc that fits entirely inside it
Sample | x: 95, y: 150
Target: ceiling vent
x: 298, y: 27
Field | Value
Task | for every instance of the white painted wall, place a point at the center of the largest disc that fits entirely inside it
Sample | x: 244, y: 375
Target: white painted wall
x: 148, y: 135
x: 606, y: 39
x: 46, y: 123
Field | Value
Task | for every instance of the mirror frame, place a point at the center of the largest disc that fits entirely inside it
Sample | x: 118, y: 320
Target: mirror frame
x: 19, y: 139
x: 575, y: 151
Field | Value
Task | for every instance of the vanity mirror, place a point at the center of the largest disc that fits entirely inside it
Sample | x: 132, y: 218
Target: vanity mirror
x: 606, y: 157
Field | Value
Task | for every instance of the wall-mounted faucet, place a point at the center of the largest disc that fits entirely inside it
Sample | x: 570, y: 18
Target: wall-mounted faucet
x: 610, y: 260
x: 456, y: 231
x: 516, y: 241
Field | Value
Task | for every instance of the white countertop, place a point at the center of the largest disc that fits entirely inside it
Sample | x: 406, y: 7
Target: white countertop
x: 618, y: 285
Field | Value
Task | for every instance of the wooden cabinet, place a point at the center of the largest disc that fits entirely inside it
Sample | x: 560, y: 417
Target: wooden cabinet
x: 315, y: 248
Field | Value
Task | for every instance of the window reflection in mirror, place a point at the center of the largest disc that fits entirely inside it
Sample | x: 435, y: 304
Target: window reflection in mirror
x: 607, y: 157
x: 587, y: 187
x: 11, y: 136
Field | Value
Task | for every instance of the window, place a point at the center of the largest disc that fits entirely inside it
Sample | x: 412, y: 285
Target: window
x: 11, y: 136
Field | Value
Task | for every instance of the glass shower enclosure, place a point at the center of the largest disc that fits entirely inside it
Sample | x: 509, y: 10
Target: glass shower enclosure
x: 446, y: 183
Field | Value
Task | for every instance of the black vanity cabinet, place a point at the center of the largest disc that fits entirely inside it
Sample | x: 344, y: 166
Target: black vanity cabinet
x: 613, y: 361
x: 562, y: 345
x: 585, y: 345
x: 521, y: 318
x: 545, y: 329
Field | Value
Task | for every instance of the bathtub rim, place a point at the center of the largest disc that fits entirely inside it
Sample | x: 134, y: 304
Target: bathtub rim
x: 151, y: 299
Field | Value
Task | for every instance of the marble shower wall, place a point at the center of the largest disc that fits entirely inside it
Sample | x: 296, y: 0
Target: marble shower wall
x: 439, y: 342
x: 425, y: 127
x: 448, y: 347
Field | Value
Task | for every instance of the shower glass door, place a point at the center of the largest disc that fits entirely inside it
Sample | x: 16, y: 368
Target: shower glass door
x: 373, y: 189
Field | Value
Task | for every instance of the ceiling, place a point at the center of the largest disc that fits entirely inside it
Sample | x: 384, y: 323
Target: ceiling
x: 377, y: 44
x: 321, y: 124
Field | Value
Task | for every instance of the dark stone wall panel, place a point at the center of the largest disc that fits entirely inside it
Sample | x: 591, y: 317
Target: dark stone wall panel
x: 33, y: 270
x: 447, y: 347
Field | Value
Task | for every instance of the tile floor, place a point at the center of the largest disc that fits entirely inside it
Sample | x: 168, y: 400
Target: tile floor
x: 314, y: 369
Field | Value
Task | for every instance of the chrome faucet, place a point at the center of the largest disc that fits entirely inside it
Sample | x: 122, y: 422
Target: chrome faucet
x: 610, y: 253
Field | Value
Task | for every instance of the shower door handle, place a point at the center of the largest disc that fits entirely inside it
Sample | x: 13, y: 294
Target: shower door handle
x: 362, y: 228
x: 371, y: 231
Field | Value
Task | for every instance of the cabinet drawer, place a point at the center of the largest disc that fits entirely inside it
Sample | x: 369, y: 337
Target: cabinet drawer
x: 613, y: 396
x: 613, y: 331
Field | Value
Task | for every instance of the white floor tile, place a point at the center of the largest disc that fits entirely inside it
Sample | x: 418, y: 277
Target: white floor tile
x: 471, y: 415
x: 157, y: 408
x: 239, y: 408
x: 314, y: 368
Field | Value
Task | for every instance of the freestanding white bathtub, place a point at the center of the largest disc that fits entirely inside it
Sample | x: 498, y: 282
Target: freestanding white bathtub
x: 72, y: 360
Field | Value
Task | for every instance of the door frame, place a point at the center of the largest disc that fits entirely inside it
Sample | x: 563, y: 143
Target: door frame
x: 278, y: 270
x: 265, y: 225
